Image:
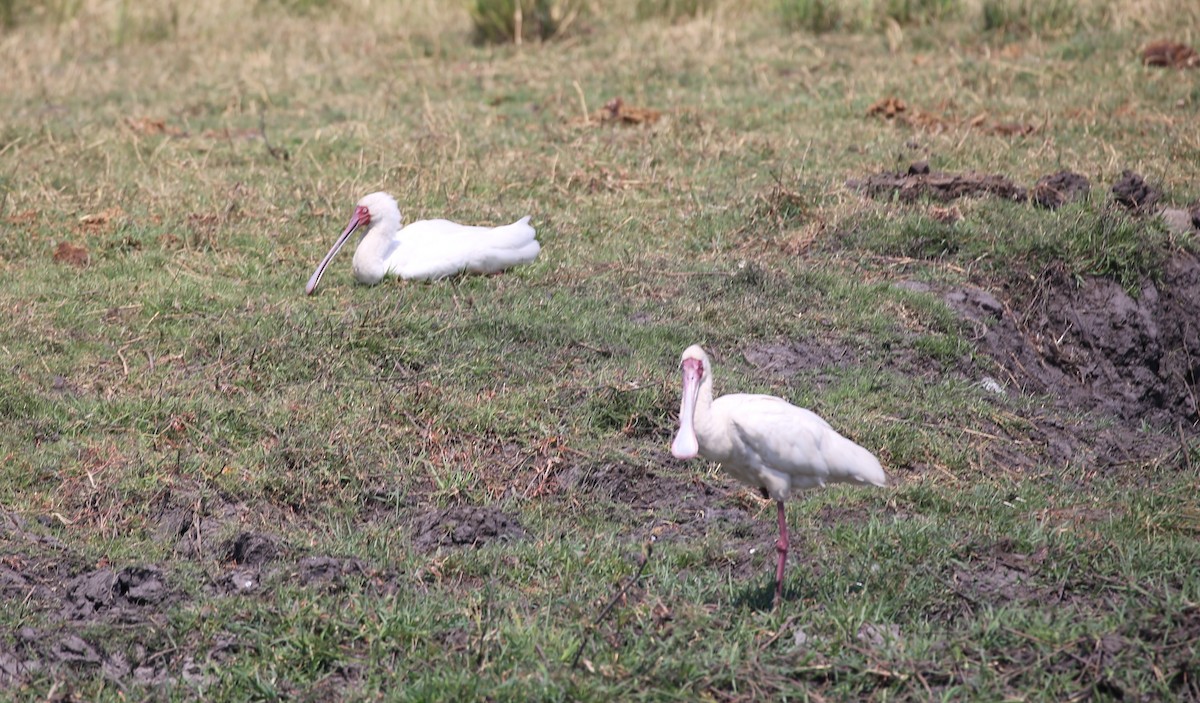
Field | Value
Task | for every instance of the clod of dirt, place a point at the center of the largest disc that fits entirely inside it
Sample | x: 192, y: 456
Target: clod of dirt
x: 1134, y: 193
x: 173, y: 523
x: 637, y: 486
x: 72, y: 254
x: 615, y: 111
x: 1178, y: 221
x: 242, y: 580
x: 1170, y: 54
x: 328, y: 569
x: 90, y: 593
x: 252, y: 549
x: 464, y: 525
x: 918, y: 182
x: 105, y: 589
x: 879, y: 636
x: 895, y: 110
x: 1058, y: 189
x: 152, y: 126
x: 141, y: 585
x: 1012, y: 129
x: 73, y: 648
x: 888, y: 108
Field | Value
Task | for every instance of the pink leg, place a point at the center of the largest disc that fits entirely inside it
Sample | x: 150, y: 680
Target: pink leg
x: 781, y: 546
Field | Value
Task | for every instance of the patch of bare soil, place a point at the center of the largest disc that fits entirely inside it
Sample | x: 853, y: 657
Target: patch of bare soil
x: 1051, y: 192
x: 617, y: 111
x: 667, y: 507
x: 121, y: 594
x: 1058, y: 189
x: 1170, y: 54
x: 920, y: 182
x: 73, y: 254
x: 1134, y: 193
x: 895, y: 110
x: 789, y: 358
x: 1091, y: 346
x: 464, y: 525
x: 70, y: 598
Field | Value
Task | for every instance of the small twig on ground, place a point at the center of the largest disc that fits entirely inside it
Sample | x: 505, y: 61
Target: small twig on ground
x: 778, y: 633
x: 612, y: 603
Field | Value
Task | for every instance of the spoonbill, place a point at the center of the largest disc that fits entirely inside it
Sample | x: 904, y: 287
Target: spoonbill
x: 765, y: 442
x: 426, y: 249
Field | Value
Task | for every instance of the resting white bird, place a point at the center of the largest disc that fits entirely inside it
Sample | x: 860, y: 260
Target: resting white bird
x: 765, y: 442
x: 427, y: 249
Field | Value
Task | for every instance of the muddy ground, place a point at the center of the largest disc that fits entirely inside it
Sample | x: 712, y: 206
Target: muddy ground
x: 1106, y: 364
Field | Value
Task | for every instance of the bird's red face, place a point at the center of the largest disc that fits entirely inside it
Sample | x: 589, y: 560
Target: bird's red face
x: 360, y: 218
x: 685, y: 445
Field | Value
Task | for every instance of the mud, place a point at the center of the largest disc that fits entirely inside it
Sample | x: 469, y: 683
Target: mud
x: 919, y: 182
x: 464, y: 525
x: 1092, y: 346
x: 787, y: 358
x: 1058, y: 189
x: 1134, y: 193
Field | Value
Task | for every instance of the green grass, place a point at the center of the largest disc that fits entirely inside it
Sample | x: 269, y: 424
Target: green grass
x: 183, y: 369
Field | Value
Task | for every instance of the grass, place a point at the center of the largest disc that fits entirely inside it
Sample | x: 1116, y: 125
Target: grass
x: 182, y: 375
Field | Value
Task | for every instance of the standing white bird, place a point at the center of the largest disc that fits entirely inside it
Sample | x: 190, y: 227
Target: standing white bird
x: 427, y: 249
x: 765, y: 442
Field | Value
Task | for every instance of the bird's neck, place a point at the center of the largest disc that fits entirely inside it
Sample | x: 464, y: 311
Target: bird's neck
x: 702, y: 418
x: 370, y: 258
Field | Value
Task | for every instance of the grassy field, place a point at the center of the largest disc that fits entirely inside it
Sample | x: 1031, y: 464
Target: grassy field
x: 216, y: 487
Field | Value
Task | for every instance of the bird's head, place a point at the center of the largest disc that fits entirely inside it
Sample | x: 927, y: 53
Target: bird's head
x: 695, y: 361
x: 695, y: 367
x: 376, y: 208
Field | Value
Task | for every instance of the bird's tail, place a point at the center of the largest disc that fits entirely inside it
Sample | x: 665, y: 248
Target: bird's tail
x: 851, y: 463
x: 515, y: 236
x: 509, y: 245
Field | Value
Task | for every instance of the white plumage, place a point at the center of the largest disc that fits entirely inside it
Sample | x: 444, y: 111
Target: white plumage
x: 427, y: 249
x: 765, y: 442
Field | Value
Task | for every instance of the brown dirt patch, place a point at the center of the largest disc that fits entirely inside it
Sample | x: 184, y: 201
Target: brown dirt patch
x: 791, y: 357
x: 251, y: 549
x: 1132, y: 192
x: 1058, y: 189
x: 1092, y: 346
x: 464, y: 525
x: 895, y: 110
x: 72, y: 254
x: 919, y: 182
x: 616, y: 111
x: 1170, y: 54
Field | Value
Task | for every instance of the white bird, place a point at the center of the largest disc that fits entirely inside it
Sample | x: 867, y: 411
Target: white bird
x: 427, y: 249
x: 765, y: 442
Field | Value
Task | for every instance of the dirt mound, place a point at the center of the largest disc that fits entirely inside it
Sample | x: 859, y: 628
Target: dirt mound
x: 1132, y: 191
x: 919, y: 182
x: 1058, y: 189
x: 320, y: 570
x: 122, y: 593
x: 464, y: 525
x: 251, y: 549
x: 1093, y: 346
